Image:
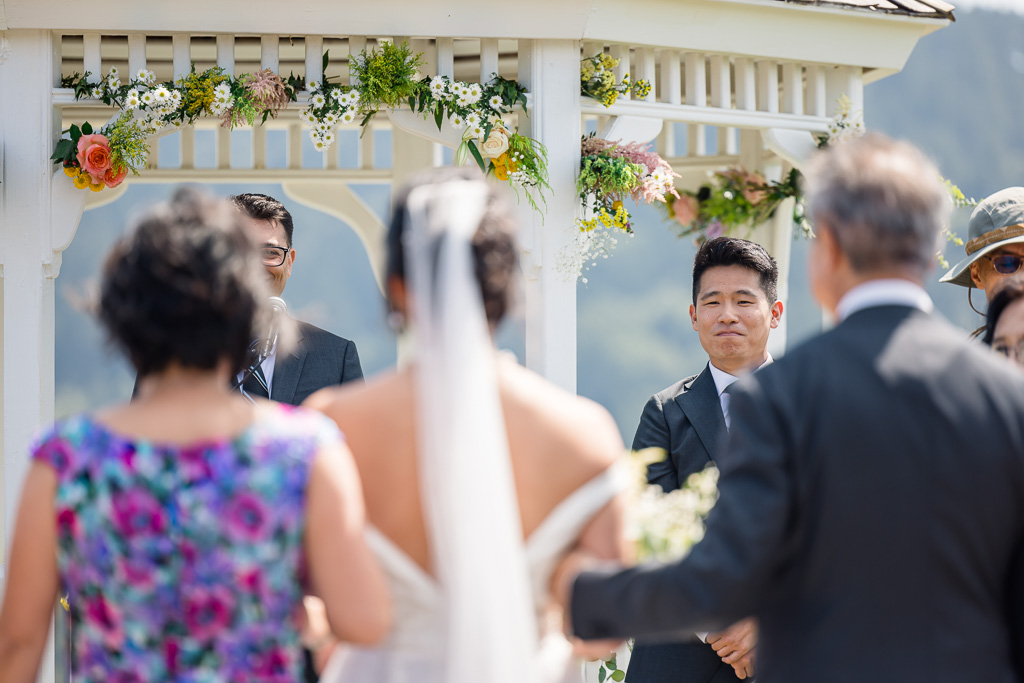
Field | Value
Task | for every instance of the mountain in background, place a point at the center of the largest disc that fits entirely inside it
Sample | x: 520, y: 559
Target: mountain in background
x: 959, y: 98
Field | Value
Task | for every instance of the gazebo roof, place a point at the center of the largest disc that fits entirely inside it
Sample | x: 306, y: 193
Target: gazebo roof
x: 938, y: 9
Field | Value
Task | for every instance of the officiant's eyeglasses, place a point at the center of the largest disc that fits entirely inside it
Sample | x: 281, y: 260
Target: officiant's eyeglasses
x: 1012, y: 351
x: 273, y: 256
x: 1006, y: 264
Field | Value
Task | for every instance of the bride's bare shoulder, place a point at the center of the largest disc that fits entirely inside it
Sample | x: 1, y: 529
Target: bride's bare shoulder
x: 571, y: 423
x: 355, y: 400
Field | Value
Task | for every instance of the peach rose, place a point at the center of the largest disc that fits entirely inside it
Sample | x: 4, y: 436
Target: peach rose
x: 115, y: 175
x: 94, y: 154
x: 685, y: 209
x: 495, y: 145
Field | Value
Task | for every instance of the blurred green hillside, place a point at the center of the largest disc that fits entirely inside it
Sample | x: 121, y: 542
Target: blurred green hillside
x: 959, y: 99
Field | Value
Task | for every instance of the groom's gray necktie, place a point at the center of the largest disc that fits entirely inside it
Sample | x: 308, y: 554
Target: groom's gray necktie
x: 256, y: 384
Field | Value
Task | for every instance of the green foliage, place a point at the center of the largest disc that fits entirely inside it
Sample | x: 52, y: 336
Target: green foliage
x: 605, y: 176
x: 386, y: 75
x: 127, y: 143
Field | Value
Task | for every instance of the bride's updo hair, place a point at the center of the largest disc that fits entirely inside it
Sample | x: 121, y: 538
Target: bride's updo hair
x: 495, y: 255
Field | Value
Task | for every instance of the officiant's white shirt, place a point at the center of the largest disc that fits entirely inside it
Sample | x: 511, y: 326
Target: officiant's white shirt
x: 723, y: 380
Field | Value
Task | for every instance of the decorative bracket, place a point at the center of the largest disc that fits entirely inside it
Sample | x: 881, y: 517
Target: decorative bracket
x: 632, y: 129
x: 792, y: 146
x: 66, y: 206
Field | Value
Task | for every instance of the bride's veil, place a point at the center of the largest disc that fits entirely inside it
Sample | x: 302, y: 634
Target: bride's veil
x: 468, y: 492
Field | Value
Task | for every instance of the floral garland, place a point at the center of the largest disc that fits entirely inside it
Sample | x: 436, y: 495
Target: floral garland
x: 597, y: 80
x: 610, y: 173
x: 385, y: 78
x: 734, y: 198
x: 101, y: 158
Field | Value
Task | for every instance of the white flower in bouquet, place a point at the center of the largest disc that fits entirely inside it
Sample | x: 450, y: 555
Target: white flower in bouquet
x: 475, y: 92
x: 337, y: 95
x: 330, y: 118
x: 96, y: 93
x: 308, y: 117
x: 312, y: 85
x: 318, y: 100
x: 473, y: 119
x: 320, y: 145
x: 148, y: 98
x: 458, y: 122
x: 162, y: 94
x: 496, y: 102
x: 146, y: 76
x: 328, y: 138
x: 348, y: 116
x: 477, y: 132
x: 131, y: 100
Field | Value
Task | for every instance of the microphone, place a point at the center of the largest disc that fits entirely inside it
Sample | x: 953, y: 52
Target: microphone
x: 278, y: 309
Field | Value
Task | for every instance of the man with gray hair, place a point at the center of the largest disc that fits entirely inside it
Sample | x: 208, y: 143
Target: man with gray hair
x: 871, y: 510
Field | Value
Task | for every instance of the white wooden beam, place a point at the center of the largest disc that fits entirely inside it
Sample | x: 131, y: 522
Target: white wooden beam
x: 550, y: 70
x: 182, y: 54
x: 136, y: 55
x: 488, y: 59
x: 270, y: 52
x: 226, y: 53
x: 314, y: 58
x: 446, y: 57
x: 696, y: 96
x: 38, y: 218
x: 92, y: 62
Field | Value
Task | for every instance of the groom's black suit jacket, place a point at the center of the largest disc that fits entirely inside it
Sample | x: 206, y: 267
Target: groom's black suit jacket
x: 871, y: 515
x: 686, y: 421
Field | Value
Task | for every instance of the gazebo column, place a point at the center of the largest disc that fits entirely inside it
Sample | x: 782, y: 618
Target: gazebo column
x: 550, y: 70
x: 39, y: 214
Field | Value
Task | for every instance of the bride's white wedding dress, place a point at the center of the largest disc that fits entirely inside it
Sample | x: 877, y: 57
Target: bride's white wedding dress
x: 477, y: 617
x: 415, y: 650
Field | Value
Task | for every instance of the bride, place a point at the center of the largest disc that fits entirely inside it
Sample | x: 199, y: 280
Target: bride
x: 479, y: 475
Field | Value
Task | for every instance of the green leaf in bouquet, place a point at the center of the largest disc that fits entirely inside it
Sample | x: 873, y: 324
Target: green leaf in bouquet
x: 618, y: 675
x: 86, y: 128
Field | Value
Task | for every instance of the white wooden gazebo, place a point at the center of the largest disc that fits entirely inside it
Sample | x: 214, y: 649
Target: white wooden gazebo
x: 752, y: 80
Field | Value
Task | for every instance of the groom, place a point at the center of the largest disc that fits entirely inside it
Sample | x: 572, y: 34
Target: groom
x: 734, y: 308
x: 871, y: 509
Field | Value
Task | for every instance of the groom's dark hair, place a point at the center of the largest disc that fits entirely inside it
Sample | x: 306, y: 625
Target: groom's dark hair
x: 733, y: 251
x: 495, y: 256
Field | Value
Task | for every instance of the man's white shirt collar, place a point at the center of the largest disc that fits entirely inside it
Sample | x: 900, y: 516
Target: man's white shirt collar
x: 723, y: 379
x: 887, y: 292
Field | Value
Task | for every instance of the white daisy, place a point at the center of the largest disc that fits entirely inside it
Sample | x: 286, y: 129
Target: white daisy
x: 315, y: 136
x: 162, y: 94
x: 438, y: 84
x: 458, y: 122
x: 131, y: 100
x: 336, y: 94
x: 320, y: 145
x: 473, y: 119
x: 353, y: 96
x: 328, y: 139
x: 477, y: 131
x: 463, y: 101
x: 476, y: 91
x: 146, y: 76
x: 148, y: 98
x: 308, y: 117
x: 318, y: 100
x: 330, y: 118
x: 312, y: 85
x: 97, y: 93
x: 113, y: 82
x: 348, y: 116
x: 454, y: 87
x: 496, y: 102
x: 323, y: 127
x: 113, y: 73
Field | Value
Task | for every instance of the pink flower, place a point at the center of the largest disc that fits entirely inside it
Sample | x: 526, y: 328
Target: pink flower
x: 94, y: 154
x: 135, y: 574
x: 138, y: 512
x: 105, y: 618
x: 247, y: 516
x: 58, y: 453
x: 208, y: 611
x: 715, y: 229
x: 685, y: 209
x: 273, y: 665
x: 171, y: 650
x: 115, y: 175
x: 67, y: 522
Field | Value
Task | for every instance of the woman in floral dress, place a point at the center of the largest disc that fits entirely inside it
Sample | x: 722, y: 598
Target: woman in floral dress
x: 186, y: 526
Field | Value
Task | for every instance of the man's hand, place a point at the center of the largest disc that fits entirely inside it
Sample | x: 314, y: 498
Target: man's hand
x: 565, y: 575
x: 735, y: 645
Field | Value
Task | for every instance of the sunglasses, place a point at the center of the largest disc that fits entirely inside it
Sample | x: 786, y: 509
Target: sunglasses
x: 1006, y: 264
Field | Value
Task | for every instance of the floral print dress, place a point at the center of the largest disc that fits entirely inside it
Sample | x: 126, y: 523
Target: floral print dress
x: 184, y: 563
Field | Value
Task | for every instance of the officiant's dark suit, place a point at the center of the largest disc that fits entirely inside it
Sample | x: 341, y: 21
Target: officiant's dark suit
x: 319, y: 359
x: 871, y: 509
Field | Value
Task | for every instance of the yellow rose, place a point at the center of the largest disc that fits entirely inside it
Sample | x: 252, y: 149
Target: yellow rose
x: 495, y: 145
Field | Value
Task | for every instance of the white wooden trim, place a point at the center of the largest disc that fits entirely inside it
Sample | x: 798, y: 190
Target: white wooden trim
x: 226, y: 53
x: 91, y: 59
x: 708, y: 115
x: 314, y: 59
x: 136, y: 55
x: 446, y: 57
x: 270, y: 52
x: 182, y: 54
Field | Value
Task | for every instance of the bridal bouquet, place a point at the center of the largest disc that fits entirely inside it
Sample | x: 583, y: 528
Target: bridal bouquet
x: 664, y: 526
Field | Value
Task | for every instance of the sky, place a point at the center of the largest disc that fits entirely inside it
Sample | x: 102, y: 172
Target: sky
x: 1003, y: 5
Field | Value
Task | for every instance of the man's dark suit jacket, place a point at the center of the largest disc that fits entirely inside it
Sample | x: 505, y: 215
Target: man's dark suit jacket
x: 319, y: 359
x: 686, y: 421
x: 871, y: 515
